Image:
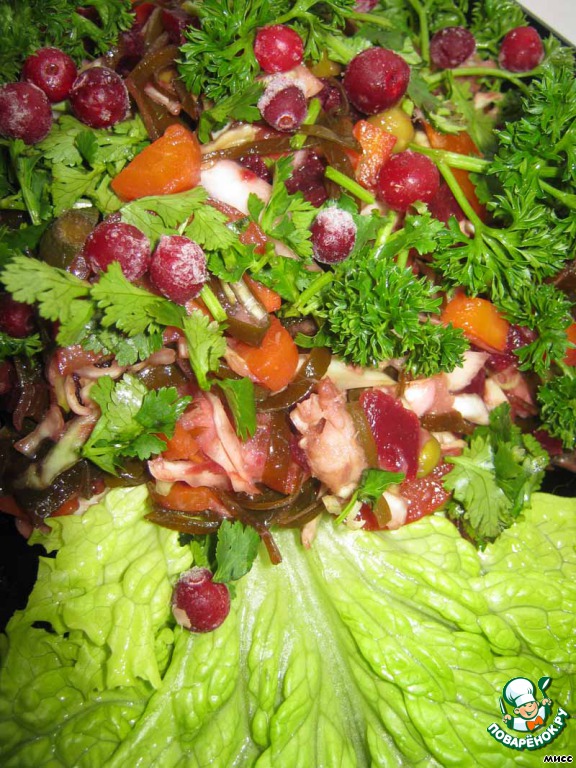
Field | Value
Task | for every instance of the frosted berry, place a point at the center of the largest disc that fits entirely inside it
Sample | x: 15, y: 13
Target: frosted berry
x: 283, y: 107
x: 451, y: 46
x: 114, y: 240
x: 278, y: 48
x: 25, y: 112
x: 375, y: 80
x: 198, y: 603
x: 99, y: 98
x: 178, y: 268
x: 406, y: 178
x: 52, y: 70
x: 333, y: 235
x: 521, y: 50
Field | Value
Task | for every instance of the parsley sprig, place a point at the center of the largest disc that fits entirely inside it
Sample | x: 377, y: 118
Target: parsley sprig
x: 218, y: 57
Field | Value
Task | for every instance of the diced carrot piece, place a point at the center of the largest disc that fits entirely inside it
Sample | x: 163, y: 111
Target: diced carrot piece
x: 270, y: 300
x: 463, y: 144
x: 275, y: 361
x: 169, y: 165
x: 479, y: 319
x: 570, y: 358
x: 181, y: 446
x: 377, y: 145
x: 186, y: 499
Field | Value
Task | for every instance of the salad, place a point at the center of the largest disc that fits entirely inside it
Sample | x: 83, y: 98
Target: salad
x: 287, y: 349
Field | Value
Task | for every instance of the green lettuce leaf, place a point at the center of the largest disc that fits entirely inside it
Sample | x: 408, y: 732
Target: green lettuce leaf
x: 366, y: 650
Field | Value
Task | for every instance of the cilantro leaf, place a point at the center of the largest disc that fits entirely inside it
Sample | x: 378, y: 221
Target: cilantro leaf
x: 238, y: 106
x: 494, y: 478
x: 285, y: 217
x: 236, y: 550
x: 130, y: 308
x: 131, y: 420
x: 60, y: 295
x: 127, y: 350
x: 374, y: 482
x: 240, y: 397
x: 206, y: 345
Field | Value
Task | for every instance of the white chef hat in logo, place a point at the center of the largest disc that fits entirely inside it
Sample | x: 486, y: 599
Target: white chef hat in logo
x: 519, y: 691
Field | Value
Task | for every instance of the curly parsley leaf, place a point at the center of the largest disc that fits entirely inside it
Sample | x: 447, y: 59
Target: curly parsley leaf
x: 492, y: 19
x: 375, y: 310
x: 494, y: 478
x: 218, y: 57
x: 131, y: 421
x: 24, y: 29
x: 557, y: 399
x: 10, y: 346
x: 206, y: 345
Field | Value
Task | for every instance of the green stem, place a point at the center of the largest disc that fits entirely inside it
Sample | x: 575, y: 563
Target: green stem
x: 461, y: 198
x: 12, y: 203
x: 314, y: 109
x: 385, y: 233
x: 213, y: 305
x: 347, y: 509
x: 350, y: 185
x: 567, y: 199
x: 371, y: 18
x: 453, y: 159
x: 300, y: 307
x: 424, y: 33
x: 502, y: 74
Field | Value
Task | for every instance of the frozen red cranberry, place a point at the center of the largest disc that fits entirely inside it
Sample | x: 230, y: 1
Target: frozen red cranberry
x: 451, y: 46
x: 257, y: 165
x: 444, y: 205
x: 178, y: 268
x: 99, y: 98
x: 308, y: 177
x: 16, y: 319
x: 406, y: 178
x: 114, y: 240
x: 198, y: 603
x: 330, y: 97
x: 278, y: 48
x: 283, y: 107
x: 25, y: 112
x: 333, y: 235
x: 375, y: 80
x: 521, y: 50
x: 52, y: 70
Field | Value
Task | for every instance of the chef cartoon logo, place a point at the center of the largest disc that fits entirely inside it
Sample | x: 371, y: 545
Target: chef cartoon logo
x: 530, y: 716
